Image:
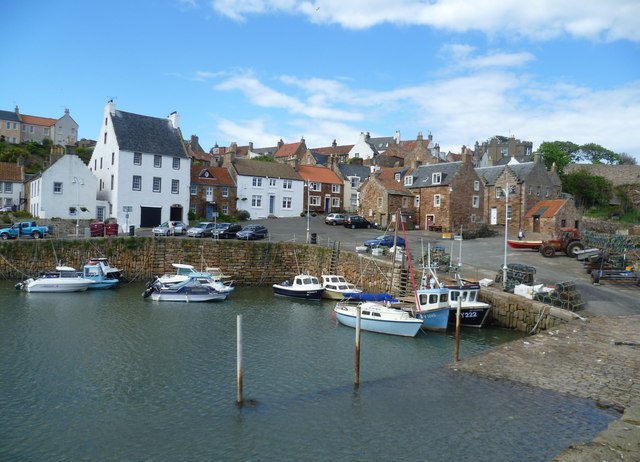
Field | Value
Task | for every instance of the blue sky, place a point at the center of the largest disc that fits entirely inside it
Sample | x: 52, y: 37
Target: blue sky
x: 264, y: 70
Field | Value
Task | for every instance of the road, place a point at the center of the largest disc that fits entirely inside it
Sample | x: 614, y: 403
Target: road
x: 480, y: 258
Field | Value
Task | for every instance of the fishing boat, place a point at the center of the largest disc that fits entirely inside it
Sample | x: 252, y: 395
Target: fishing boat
x: 304, y: 286
x: 63, y: 279
x: 378, y: 317
x: 473, y: 312
x: 433, y: 308
x: 99, y: 271
x: 184, y: 272
x: 190, y: 290
x: 336, y: 287
x: 530, y: 245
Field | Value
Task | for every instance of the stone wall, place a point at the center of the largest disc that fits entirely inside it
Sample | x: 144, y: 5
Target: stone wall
x: 248, y: 263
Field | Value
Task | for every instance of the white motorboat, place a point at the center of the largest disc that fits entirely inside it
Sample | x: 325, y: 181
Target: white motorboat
x: 378, y: 317
x: 304, y: 286
x: 337, y: 288
x: 63, y: 279
x: 184, y: 272
x: 103, y: 275
x: 190, y: 290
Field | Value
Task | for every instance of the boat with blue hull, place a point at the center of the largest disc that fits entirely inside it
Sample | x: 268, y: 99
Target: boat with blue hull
x: 304, y: 286
x: 473, y: 312
x: 102, y: 275
x: 433, y: 308
x: 378, y: 317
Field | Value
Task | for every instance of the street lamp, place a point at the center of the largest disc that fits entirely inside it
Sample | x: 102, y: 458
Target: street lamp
x: 78, y: 182
x: 506, y: 231
x: 308, y: 203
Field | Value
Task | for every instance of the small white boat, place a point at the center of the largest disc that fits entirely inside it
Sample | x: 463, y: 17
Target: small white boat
x: 190, y: 290
x: 184, y: 272
x: 337, y: 288
x: 63, y: 279
x: 378, y: 317
x: 304, y: 286
x: 473, y: 312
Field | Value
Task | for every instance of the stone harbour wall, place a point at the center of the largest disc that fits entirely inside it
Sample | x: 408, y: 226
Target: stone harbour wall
x: 248, y: 263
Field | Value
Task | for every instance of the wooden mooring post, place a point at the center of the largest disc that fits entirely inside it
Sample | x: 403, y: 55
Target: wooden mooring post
x: 239, y: 398
x: 458, y: 322
x: 356, y: 377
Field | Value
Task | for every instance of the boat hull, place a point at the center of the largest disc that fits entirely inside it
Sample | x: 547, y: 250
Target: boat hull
x: 402, y: 328
x: 435, y: 320
x: 288, y: 291
x: 530, y: 245
x: 59, y: 286
x: 469, y: 316
x: 186, y: 297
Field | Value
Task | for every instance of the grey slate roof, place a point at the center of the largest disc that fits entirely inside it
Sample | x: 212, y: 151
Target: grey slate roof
x: 521, y: 170
x: 151, y: 135
x: 248, y: 167
x: 11, y: 116
x: 490, y: 174
x: 361, y: 171
x: 422, y: 176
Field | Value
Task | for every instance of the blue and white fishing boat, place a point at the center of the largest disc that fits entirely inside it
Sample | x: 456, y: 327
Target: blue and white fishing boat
x: 102, y: 275
x: 304, y: 286
x: 433, y: 308
x: 190, y: 290
x: 378, y: 317
x: 473, y: 312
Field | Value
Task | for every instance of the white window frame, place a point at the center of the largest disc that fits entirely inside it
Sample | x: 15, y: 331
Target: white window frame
x: 287, y: 184
x: 137, y: 158
x: 286, y: 202
x: 272, y: 182
x: 194, y: 190
x: 437, y: 200
x: 314, y: 200
x: 335, y: 202
x: 136, y: 179
x: 225, y: 191
x: 157, y: 184
x: 313, y: 186
x: 499, y: 192
x: 436, y: 178
x: 57, y: 187
x: 335, y: 188
x: 175, y: 186
x: 256, y: 201
x: 176, y: 163
x: 416, y: 202
x: 475, y: 201
x: 379, y: 202
x: 408, y: 180
x: 157, y: 161
x: 257, y: 182
x: 476, y: 185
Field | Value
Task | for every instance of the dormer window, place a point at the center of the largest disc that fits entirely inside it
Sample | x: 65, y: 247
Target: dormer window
x: 397, y: 176
x: 408, y: 180
x: 436, y: 178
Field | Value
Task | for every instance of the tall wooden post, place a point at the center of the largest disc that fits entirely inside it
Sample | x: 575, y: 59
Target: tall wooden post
x: 356, y: 379
x: 239, y: 399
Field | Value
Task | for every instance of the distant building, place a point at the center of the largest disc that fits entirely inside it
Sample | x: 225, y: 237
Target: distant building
x: 18, y: 128
x: 499, y: 150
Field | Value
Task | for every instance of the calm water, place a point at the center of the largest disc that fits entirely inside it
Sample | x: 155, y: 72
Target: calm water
x: 108, y: 375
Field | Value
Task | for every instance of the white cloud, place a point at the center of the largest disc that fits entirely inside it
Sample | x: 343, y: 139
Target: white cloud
x: 535, y: 19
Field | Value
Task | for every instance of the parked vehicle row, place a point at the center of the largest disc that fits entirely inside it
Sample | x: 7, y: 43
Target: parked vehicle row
x: 212, y: 230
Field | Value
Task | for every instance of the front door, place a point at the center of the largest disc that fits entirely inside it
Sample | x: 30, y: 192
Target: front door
x: 493, y: 219
x: 327, y: 204
x: 272, y: 204
x: 536, y: 223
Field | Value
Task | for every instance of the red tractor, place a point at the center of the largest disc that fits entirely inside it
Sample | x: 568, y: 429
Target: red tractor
x: 567, y: 241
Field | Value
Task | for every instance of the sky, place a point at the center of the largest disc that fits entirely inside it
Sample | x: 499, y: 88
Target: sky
x: 263, y: 70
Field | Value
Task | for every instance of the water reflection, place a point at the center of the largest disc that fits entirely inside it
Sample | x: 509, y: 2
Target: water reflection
x: 109, y: 376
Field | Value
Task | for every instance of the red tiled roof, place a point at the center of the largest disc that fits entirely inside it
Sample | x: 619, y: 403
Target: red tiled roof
x: 212, y: 175
x: 34, y: 120
x: 287, y: 150
x: 318, y: 174
x: 547, y: 208
x: 10, y: 171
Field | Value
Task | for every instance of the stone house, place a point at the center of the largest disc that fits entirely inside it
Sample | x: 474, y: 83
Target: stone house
x: 407, y: 153
x: 353, y: 175
x: 324, y: 191
x: 384, y: 193
x: 499, y: 148
x: 212, y: 191
x: 12, y: 185
x: 367, y: 148
x: 449, y: 195
x: 522, y: 185
x: 341, y: 152
x: 288, y: 152
x: 548, y: 216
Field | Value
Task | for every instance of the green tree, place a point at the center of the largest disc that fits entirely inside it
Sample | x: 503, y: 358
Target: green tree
x: 264, y: 158
x: 588, y: 190
x: 561, y: 153
x: 627, y: 159
x: 596, y: 154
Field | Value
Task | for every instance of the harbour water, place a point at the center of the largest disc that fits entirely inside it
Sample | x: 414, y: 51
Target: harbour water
x: 108, y: 375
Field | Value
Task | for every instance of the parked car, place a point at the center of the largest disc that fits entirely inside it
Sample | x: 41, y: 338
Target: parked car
x: 176, y: 228
x: 252, y: 232
x: 203, y: 229
x: 386, y: 240
x: 226, y: 230
x: 335, y: 219
x: 356, y: 221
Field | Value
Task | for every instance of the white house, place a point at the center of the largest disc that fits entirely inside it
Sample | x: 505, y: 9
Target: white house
x: 67, y: 190
x: 142, y: 168
x: 267, y: 188
x: 367, y: 147
x: 65, y: 130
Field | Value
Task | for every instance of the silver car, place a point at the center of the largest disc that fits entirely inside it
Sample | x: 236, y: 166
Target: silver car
x: 203, y: 229
x: 335, y: 219
x: 170, y: 228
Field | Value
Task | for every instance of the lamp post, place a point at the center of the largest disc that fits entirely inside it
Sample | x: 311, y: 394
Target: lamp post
x: 506, y: 231
x: 308, y: 203
x: 78, y: 182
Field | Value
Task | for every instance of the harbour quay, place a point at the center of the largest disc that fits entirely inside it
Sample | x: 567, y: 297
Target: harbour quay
x: 597, y: 358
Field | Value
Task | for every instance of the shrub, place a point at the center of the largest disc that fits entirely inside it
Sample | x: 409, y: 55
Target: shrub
x: 243, y: 215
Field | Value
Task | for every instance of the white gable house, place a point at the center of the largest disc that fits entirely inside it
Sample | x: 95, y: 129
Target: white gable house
x: 142, y: 168
x: 67, y: 190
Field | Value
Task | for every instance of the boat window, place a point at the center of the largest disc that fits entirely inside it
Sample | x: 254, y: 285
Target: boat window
x: 433, y: 298
x: 331, y: 286
x: 472, y: 296
x: 334, y: 279
x: 444, y: 297
x: 314, y: 280
x: 341, y: 279
x: 454, y: 295
x: 367, y: 313
x: 299, y: 281
x: 376, y: 314
x: 423, y: 299
x: 465, y: 296
x: 307, y: 280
